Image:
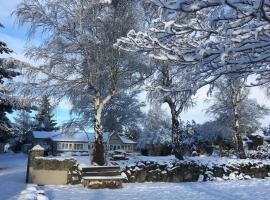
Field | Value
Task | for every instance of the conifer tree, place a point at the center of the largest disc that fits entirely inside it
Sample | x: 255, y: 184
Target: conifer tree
x: 44, y: 119
x: 6, y: 103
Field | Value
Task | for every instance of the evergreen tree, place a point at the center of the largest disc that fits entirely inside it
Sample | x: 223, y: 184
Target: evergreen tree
x: 3, y: 46
x: 6, y: 102
x: 44, y: 119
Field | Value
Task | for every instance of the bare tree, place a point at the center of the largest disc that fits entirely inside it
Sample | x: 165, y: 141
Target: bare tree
x: 212, y: 39
x: 79, y: 60
x: 161, y: 90
x: 234, y: 110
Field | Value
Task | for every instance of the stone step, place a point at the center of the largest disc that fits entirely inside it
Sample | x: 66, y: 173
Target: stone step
x: 101, y: 173
x: 96, y: 182
x: 100, y: 168
x: 118, y: 177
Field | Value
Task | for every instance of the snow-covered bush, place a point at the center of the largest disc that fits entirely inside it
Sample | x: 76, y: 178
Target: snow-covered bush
x: 262, y: 152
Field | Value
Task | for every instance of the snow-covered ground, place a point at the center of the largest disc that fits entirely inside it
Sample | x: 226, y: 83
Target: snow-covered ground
x: 13, y: 171
x: 12, y: 175
x: 225, y: 190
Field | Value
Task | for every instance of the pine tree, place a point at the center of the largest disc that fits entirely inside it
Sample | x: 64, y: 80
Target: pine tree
x: 44, y: 119
x: 3, y: 45
x: 6, y: 102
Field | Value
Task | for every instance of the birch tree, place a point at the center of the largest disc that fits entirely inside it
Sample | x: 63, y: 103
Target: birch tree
x: 79, y: 59
x: 235, y: 110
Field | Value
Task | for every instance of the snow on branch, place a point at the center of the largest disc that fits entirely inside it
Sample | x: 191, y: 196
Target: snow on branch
x: 214, y: 37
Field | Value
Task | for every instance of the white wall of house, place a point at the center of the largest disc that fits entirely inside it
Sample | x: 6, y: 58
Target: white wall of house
x: 126, y: 147
x: 74, y: 146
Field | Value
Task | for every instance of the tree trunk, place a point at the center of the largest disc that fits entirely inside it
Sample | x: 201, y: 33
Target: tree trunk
x: 176, y: 134
x: 238, y: 142
x: 98, y: 156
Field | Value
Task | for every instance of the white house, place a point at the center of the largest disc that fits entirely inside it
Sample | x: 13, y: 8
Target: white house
x: 79, y: 142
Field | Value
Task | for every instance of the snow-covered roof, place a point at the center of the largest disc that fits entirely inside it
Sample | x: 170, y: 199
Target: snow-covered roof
x: 38, y: 147
x: 126, y: 140
x: 78, y: 137
x: 258, y: 133
x: 44, y: 134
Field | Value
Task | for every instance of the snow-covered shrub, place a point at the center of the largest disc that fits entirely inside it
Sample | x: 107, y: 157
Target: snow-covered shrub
x: 262, y: 152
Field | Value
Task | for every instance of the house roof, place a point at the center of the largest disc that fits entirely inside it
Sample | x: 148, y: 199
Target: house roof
x: 38, y: 147
x: 44, y: 134
x: 78, y: 137
x: 125, y: 140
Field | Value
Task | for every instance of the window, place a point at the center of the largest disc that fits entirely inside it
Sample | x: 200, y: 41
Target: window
x: 63, y: 146
x: 66, y: 146
x: 70, y: 146
x: 78, y: 146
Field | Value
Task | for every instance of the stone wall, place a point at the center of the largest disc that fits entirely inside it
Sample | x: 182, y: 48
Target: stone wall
x: 188, y: 171
x: 51, y: 171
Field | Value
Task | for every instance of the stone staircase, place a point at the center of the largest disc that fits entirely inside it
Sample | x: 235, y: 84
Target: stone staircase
x: 102, y: 177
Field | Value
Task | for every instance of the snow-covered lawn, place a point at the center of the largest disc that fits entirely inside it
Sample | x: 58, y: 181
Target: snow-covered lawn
x: 13, y: 171
x: 12, y: 175
x: 225, y: 190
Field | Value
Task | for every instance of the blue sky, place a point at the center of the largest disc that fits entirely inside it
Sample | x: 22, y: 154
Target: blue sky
x: 16, y: 39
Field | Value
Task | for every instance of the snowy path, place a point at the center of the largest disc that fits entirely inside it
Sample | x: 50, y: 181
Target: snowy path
x: 12, y: 175
x: 225, y: 190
